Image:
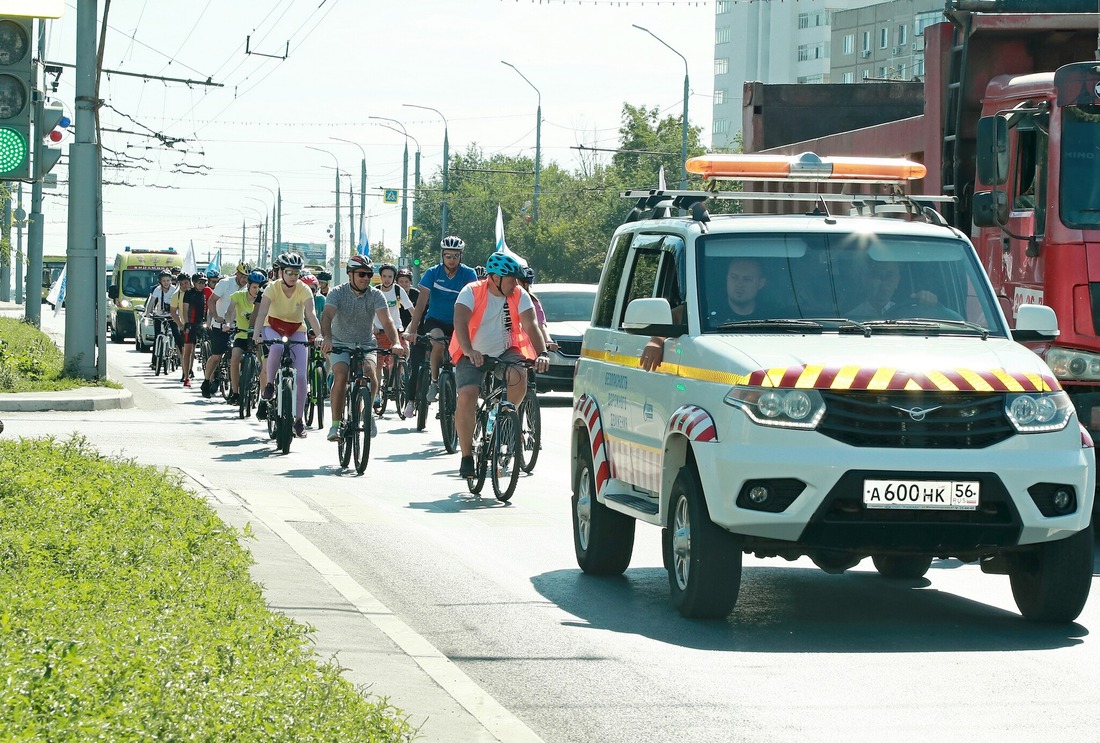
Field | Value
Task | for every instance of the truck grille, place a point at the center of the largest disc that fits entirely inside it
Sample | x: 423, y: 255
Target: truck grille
x: 952, y: 420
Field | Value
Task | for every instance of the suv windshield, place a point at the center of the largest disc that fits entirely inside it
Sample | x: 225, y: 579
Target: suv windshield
x: 875, y: 280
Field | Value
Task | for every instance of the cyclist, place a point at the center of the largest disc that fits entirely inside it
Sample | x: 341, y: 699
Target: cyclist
x: 241, y: 306
x: 439, y: 287
x: 396, y: 299
x: 493, y: 317
x: 416, y: 351
x: 526, y: 282
x: 192, y: 311
x: 349, y: 310
x: 284, y: 310
x: 315, y: 286
x: 158, y: 305
x: 323, y: 279
x: 218, y: 306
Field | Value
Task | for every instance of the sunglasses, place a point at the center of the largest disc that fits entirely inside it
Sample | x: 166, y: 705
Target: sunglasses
x: 455, y: 256
x: 361, y: 274
x: 290, y: 272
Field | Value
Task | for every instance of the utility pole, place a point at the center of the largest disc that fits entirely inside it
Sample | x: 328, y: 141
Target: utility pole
x: 80, y: 299
x: 20, y: 219
x: 33, y: 312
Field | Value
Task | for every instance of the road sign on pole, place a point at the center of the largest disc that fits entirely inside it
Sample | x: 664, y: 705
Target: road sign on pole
x: 390, y: 196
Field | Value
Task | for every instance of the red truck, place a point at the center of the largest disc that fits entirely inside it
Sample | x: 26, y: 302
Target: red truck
x: 1011, y: 128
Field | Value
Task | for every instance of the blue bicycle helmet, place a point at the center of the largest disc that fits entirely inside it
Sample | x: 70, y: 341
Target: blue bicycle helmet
x: 502, y: 264
x: 257, y: 277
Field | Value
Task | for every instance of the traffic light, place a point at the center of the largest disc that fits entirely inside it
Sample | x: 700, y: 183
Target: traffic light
x: 416, y: 262
x: 49, y: 130
x: 16, y: 96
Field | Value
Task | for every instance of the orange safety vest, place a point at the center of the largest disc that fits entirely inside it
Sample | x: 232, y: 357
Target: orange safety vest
x: 520, y: 340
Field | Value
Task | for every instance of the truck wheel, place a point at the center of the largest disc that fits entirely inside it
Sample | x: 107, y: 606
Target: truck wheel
x: 1051, y: 582
x: 705, y: 576
x: 602, y: 538
x: 902, y: 567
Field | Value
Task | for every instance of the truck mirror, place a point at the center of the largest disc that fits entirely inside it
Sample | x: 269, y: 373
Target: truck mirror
x: 1035, y: 322
x: 112, y: 291
x: 992, y: 152
x: 990, y: 208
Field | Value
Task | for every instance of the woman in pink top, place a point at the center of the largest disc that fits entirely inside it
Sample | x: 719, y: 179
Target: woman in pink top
x: 286, y: 305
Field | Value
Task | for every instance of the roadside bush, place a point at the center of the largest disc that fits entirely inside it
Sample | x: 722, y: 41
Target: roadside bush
x: 31, y: 362
x: 127, y: 613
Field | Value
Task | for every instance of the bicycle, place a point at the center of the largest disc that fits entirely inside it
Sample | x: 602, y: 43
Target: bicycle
x: 394, y: 373
x: 497, y: 432
x: 359, y: 398
x: 448, y: 395
x: 165, y: 354
x: 317, y: 377
x: 248, y: 382
x: 203, y: 345
x: 530, y: 426
x: 280, y: 411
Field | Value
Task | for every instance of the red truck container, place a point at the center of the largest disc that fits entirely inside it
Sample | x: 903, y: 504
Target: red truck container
x: 1011, y: 128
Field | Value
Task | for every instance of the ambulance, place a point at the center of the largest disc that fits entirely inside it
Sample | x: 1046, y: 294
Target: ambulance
x: 134, y: 276
x: 830, y: 378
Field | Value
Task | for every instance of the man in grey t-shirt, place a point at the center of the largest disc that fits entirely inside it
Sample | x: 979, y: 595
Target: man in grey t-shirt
x: 348, y: 320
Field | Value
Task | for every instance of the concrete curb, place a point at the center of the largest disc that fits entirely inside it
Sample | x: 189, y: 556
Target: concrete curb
x: 81, y: 399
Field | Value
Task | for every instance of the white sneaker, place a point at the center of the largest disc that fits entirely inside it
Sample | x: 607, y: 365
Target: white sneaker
x: 334, y: 432
x: 410, y: 409
x: 433, y: 392
x: 373, y: 427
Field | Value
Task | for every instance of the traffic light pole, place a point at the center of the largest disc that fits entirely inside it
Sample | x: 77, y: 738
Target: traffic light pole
x: 20, y: 218
x: 80, y: 299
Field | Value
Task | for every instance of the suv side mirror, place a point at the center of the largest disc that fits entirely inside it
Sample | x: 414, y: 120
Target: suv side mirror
x: 992, y: 150
x: 989, y: 208
x: 112, y: 291
x: 1035, y: 322
x: 651, y: 316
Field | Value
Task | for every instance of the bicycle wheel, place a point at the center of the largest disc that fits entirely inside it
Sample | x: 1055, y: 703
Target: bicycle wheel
x: 158, y: 356
x: 505, y: 462
x: 361, y: 433
x: 285, y: 427
x: 311, y: 395
x: 225, y: 384
x: 386, y: 381
x: 244, y: 387
x: 447, y: 403
x: 481, y: 449
x: 399, y: 400
x: 424, y: 380
x: 322, y: 393
x: 530, y: 431
x: 343, y: 447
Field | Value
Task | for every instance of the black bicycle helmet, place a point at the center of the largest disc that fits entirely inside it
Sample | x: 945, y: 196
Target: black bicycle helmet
x: 324, y: 276
x: 529, y: 274
x: 292, y: 260
x: 390, y: 266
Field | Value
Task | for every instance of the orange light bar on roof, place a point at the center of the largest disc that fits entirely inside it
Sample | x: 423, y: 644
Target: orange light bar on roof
x: 806, y: 166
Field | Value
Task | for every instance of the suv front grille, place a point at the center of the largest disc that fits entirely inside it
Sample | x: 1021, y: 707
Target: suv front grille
x: 951, y: 420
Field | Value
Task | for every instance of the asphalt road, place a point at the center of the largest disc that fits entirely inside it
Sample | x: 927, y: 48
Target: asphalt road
x: 524, y: 646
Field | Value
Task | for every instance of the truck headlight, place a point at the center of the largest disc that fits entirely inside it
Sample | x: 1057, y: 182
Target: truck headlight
x: 125, y: 304
x: 1068, y: 364
x: 1035, y: 413
x: 779, y: 408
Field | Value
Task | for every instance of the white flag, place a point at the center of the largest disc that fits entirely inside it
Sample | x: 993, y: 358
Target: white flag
x: 190, y: 267
x: 56, y: 295
x: 501, y: 245
x: 661, y: 179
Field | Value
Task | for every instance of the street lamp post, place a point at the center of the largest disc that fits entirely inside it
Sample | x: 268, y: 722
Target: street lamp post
x: 274, y: 220
x: 261, y: 225
x: 336, y: 224
x: 404, y: 183
x: 538, y: 140
x: 362, y: 176
x: 684, y: 134
x: 277, y: 215
x: 444, y: 210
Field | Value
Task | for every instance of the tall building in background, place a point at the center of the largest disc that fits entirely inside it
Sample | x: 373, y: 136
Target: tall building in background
x: 799, y: 41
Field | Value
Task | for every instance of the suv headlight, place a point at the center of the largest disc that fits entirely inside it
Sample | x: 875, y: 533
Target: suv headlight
x: 779, y: 408
x: 1035, y: 413
x: 1067, y: 364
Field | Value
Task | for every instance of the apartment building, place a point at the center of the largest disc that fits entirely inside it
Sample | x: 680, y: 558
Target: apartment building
x: 810, y: 41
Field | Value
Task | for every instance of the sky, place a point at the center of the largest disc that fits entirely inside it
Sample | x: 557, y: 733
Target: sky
x: 349, y: 60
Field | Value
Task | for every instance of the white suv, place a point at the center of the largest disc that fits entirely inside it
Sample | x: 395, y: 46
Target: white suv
x: 869, y: 399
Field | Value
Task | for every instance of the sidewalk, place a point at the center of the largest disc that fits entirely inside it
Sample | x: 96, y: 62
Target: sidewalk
x: 79, y: 399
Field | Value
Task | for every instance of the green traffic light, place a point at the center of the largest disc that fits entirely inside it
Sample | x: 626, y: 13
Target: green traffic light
x: 13, y: 150
x: 416, y: 261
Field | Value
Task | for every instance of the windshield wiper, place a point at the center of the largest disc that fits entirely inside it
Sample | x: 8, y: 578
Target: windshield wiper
x: 915, y: 323
x: 774, y: 323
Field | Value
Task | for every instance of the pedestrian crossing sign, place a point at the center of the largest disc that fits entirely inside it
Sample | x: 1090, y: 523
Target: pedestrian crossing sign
x: 390, y: 197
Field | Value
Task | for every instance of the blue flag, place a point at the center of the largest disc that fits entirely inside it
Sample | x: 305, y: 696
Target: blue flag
x: 215, y: 263
x: 363, y: 247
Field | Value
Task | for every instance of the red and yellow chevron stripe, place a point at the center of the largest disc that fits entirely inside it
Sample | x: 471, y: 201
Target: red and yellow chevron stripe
x: 810, y: 376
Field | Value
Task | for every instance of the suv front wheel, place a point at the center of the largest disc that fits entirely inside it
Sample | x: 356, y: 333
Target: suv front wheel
x: 602, y: 538
x: 1051, y: 582
x: 703, y: 560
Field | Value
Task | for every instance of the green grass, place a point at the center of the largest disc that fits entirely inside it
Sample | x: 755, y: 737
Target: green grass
x: 127, y: 613
x: 31, y: 362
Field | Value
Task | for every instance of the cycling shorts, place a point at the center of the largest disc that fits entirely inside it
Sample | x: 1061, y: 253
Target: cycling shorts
x: 219, y: 341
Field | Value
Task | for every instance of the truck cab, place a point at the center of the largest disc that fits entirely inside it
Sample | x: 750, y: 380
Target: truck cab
x: 133, y: 278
